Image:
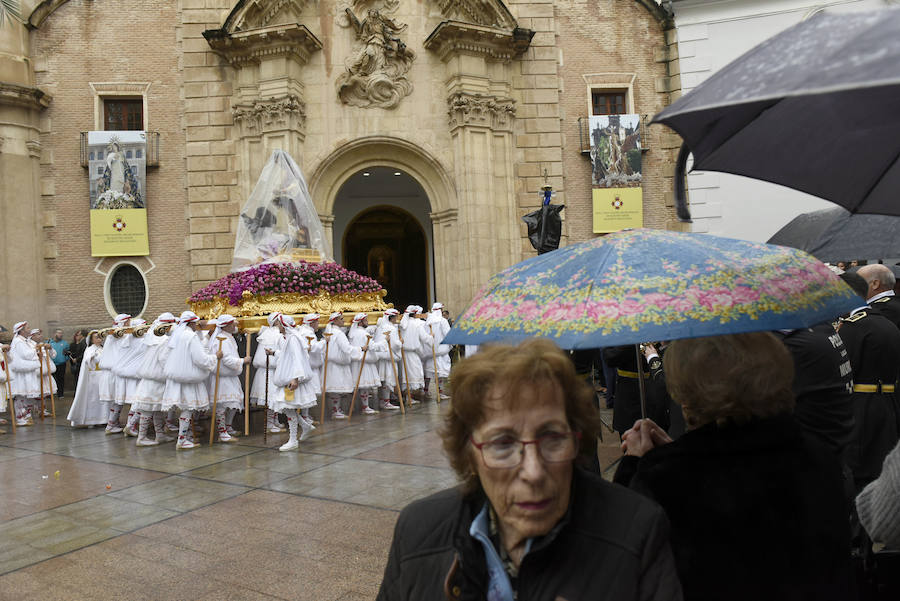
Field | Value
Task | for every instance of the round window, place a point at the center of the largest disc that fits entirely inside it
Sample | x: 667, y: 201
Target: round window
x: 127, y: 291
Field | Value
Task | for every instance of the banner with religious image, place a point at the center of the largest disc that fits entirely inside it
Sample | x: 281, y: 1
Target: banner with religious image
x: 117, y: 163
x: 616, y: 172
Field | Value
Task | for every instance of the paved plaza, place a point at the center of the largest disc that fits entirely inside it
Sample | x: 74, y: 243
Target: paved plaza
x: 88, y: 516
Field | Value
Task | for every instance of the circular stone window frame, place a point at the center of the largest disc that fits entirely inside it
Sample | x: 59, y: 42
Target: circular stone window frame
x: 107, y: 299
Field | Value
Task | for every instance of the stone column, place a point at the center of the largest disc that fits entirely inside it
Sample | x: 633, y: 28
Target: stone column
x: 22, y: 271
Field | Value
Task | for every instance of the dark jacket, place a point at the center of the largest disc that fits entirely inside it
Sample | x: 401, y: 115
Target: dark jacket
x: 613, y: 544
x: 888, y: 307
x: 627, y: 408
x: 758, y: 511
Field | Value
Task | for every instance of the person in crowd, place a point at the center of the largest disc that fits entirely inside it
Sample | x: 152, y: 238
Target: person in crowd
x: 880, y: 296
x: 365, y: 374
x: 294, y: 383
x: 5, y: 400
x: 77, y: 348
x: 47, y: 356
x: 338, y: 378
x: 24, y: 374
x: 757, y: 505
x: 415, y: 343
x: 527, y: 522
x: 627, y: 406
x: 878, y: 505
x: 149, y: 393
x: 131, y: 355
x: 87, y: 409
x: 315, y: 348
x: 230, y: 398
x: 437, y: 327
x: 873, y: 345
x: 387, y: 350
x: 61, y: 347
x: 268, y: 339
x: 108, y: 360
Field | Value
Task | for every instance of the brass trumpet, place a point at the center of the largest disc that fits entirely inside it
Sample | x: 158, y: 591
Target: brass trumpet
x: 141, y: 330
x: 162, y: 329
x: 105, y: 332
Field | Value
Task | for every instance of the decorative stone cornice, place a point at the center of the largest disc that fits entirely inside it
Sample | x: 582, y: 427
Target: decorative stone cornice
x: 478, y: 110
x: 456, y: 37
x: 15, y: 95
x: 492, y: 13
x: 34, y: 148
x: 253, y: 45
x: 253, y: 14
x: 273, y: 114
x: 445, y: 216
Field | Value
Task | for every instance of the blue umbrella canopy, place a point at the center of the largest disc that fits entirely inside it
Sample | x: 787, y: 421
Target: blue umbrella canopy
x: 647, y: 285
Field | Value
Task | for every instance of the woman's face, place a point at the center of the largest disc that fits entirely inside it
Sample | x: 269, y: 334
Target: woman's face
x: 95, y: 339
x: 531, y: 498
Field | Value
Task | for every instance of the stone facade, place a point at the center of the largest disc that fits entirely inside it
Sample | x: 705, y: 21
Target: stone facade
x: 475, y: 99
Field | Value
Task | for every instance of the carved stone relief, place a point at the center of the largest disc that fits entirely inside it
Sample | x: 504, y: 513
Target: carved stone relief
x: 376, y: 71
x: 476, y: 109
x: 263, y: 116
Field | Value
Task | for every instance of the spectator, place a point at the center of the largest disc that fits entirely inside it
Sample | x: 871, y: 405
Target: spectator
x: 757, y: 505
x: 61, y: 347
x: 76, y: 352
x: 526, y: 522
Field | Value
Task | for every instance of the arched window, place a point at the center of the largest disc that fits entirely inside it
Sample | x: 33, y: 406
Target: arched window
x: 128, y: 154
x: 138, y: 154
x: 127, y: 290
x: 91, y: 156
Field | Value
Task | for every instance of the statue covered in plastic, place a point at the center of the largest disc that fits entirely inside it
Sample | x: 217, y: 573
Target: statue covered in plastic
x: 278, y: 222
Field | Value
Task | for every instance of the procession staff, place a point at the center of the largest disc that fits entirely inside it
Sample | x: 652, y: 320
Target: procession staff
x: 108, y: 360
x: 267, y: 339
x: 24, y: 364
x: 45, y: 370
x: 212, y: 430
x: 228, y: 398
x: 339, y: 355
x: 387, y: 368
x: 149, y: 393
x: 366, y: 370
x: 439, y: 327
x: 187, y: 370
x: 55, y: 385
x: 249, y: 358
x: 316, y: 350
x: 294, y: 380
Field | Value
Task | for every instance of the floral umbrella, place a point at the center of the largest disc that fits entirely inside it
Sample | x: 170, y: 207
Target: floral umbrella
x: 646, y: 285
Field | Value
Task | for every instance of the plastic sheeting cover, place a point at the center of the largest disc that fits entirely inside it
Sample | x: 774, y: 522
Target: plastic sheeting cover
x: 278, y: 219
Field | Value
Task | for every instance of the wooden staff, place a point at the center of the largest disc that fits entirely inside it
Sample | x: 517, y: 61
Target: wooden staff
x: 247, y: 387
x: 52, y: 397
x: 213, y: 425
x: 266, y: 410
x: 41, y: 369
x: 325, y: 376
x: 387, y: 336
x: 405, y: 370
x: 437, y: 379
x: 362, y: 364
x: 9, y: 398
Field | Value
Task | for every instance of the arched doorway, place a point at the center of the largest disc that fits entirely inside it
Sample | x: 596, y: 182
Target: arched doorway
x: 388, y: 244
x: 382, y: 228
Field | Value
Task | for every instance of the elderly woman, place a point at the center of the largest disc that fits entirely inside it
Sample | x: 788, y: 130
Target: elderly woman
x: 756, y: 504
x: 526, y: 523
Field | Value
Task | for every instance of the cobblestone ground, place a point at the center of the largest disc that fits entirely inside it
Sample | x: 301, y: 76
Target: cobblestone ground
x: 88, y: 516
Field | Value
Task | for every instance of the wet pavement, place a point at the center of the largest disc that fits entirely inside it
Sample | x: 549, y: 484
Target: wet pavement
x: 231, y: 521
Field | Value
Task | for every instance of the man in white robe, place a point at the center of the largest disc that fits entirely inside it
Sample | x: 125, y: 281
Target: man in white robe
x: 415, y: 341
x: 147, y: 399
x: 315, y: 348
x: 267, y: 339
x: 230, y: 396
x: 437, y: 325
x: 338, y: 380
x: 387, y: 349
x: 24, y: 381
x: 187, y: 370
x: 366, y: 374
x: 131, y: 354
x: 294, y: 380
x: 108, y: 360
x: 46, y: 354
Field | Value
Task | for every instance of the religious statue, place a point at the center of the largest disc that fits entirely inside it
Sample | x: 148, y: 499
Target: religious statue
x: 376, y: 73
x: 118, y: 188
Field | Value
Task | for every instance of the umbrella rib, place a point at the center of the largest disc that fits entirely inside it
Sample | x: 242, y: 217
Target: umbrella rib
x: 878, y: 180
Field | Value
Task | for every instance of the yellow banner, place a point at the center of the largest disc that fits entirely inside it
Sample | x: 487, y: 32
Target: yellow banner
x: 617, y: 209
x: 119, y: 233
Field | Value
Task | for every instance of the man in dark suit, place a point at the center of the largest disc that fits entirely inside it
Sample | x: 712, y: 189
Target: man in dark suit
x: 880, y: 297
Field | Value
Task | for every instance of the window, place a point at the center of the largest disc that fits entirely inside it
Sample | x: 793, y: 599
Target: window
x: 138, y: 154
x: 608, y: 103
x: 91, y: 156
x: 99, y: 155
x: 99, y: 170
x: 128, y: 154
x: 123, y: 114
x: 127, y: 291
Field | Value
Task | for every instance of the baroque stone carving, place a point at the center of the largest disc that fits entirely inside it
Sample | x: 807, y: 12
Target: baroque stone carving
x: 490, y: 13
x: 477, y: 109
x: 261, y: 116
x: 376, y: 72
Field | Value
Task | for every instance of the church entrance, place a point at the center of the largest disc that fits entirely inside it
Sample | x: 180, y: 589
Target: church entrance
x: 379, y: 230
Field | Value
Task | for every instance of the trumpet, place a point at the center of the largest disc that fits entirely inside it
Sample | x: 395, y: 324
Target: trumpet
x: 105, y: 332
x: 141, y: 330
x: 162, y: 329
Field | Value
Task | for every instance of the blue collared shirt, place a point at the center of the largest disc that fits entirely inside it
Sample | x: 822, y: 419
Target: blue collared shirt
x: 499, y: 586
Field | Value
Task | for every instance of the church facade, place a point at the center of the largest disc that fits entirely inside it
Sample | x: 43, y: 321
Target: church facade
x: 425, y: 130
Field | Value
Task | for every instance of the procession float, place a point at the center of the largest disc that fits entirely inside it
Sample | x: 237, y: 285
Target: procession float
x: 281, y: 259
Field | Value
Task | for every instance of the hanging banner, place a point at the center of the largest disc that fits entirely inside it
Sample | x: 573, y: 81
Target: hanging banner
x: 117, y: 173
x: 616, y: 172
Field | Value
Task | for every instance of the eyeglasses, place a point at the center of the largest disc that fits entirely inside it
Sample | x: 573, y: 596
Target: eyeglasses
x: 506, y: 451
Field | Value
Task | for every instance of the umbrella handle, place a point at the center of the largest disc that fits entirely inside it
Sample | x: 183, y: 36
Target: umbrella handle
x: 681, y: 205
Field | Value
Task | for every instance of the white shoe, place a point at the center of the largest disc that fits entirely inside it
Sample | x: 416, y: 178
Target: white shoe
x: 338, y: 415
x: 369, y: 411
x: 289, y: 446
x: 47, y: 413
x: 413, y: 402
x: 130, y: 431
x: 147, y: 442
x: 275, y: 430
x: 389, y: 406
x: 232, y: 432
x: 445, y: 397
x: 161, y: 438
x: 226, y: 437
x: 22, y: 422
x: 171, y: 427
x: 113, y: 429
x: 307, y: 419
x: 184, y: 444
x: 305, y: 433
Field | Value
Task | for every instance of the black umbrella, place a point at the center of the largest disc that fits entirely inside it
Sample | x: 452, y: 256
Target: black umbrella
x: 837, y: 235
x: 815, y: 108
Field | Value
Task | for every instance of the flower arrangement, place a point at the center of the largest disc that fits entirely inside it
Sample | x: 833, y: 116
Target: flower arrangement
x: 286, y: 278
x: 115, y: 200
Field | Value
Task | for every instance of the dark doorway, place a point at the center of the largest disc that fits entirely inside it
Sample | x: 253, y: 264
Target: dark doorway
x: 388, y: 244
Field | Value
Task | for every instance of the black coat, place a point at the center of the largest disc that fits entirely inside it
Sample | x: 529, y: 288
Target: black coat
x: 627, y: 407
x: 888, y: 307
x: 873, y: 344
x: 758, y: 511
x: 613, y: 544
